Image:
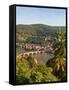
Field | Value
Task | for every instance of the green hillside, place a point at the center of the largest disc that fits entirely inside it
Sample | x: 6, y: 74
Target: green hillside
x: 38, y: 29
x: 29, y: 33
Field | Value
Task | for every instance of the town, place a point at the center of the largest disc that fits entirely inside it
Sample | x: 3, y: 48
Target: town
x: 36, y: 47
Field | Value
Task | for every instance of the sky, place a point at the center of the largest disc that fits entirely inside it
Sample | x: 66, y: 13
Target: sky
x: 48, y: 16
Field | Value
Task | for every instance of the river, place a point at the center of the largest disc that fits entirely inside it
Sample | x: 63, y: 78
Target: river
x: 43, y: 57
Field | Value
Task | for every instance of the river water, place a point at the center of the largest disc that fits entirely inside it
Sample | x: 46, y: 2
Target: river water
x: 40, y: 57
x: 43, y: 57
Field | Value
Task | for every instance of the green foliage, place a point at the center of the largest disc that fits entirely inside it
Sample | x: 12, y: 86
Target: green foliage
x: 58, y: 63
x: 22, y: 71
x: 41, y: 73
x: 38, y: 73
x: 36, y: 76
x: 38, y: 29
x: 25, y: 33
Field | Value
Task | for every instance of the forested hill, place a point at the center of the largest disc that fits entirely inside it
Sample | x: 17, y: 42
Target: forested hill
x: 38, y: 29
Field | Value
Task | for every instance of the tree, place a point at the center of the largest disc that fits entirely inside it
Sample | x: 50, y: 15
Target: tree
x: 41, y: 73
x: 22, y: 71
x: 58, y: 63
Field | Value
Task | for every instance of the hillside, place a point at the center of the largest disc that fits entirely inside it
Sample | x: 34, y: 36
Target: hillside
x: 38, y: 29
x: 29, y: 33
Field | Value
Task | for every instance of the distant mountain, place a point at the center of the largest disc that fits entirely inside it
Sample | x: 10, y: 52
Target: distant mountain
x: 38, y: 29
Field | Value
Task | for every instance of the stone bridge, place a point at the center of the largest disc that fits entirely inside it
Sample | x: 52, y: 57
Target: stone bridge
x: 32, y: 53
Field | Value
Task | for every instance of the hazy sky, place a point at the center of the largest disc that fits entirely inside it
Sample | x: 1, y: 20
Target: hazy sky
x: 48, y: 16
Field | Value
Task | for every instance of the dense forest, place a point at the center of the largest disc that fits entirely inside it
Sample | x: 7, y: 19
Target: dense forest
x: 28, y: 70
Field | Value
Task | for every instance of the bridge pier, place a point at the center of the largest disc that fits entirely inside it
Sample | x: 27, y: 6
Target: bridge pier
x: 32, y: 53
